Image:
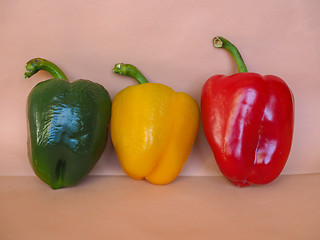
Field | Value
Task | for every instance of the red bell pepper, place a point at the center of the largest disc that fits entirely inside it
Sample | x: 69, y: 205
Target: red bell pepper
x: 248, y: 120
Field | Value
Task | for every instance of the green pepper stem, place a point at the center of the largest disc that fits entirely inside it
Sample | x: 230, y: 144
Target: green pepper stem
x: 131, y: 71
x: 221, y: 42
x: 36, y: 64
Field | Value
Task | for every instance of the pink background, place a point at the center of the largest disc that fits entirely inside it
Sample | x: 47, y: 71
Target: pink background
x: 171, y: 43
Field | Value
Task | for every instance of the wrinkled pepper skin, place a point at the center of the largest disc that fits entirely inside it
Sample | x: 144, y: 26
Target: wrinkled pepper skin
x: 248, y: 120
x: 67, y: 127
x: 153, y: 129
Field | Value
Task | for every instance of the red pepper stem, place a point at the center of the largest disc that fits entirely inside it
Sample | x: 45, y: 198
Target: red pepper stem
x: 36, y: 64
x: 131, y: 71
x: 221, y: 42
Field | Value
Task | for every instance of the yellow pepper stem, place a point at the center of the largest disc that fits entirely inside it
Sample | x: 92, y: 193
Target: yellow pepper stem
x: 131, y: 71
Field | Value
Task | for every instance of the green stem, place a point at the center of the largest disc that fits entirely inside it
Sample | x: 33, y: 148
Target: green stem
x: 36, y: 64
x: 221, y: 42
x: 131, y: 71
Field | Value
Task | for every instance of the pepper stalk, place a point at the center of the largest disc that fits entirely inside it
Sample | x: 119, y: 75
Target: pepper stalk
x: 130, y: 71
x: 221, y: 42
x: 36, y: 64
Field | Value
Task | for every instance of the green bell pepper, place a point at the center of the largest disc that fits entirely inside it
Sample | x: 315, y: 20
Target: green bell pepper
x: 67, y: 125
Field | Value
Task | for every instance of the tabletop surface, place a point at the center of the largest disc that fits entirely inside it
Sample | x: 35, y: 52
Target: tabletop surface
x: 189, y: 208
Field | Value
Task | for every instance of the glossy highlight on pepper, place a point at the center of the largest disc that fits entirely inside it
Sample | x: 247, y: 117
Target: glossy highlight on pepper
x: 67, y: 125
x: 248, y: 121
x: 153, y: 128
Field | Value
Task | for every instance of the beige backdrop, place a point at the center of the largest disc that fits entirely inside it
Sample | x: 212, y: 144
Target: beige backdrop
x: 170, y: 42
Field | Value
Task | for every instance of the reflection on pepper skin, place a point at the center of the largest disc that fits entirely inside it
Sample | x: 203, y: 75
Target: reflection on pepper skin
x: 248, y: 121
x: 67, y: 129
x: 243, y: 103
x: 64, y: 125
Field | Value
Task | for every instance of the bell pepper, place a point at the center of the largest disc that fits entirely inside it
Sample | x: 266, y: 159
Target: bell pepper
x: 67, y: 125
x: 248, y: 120
x: 153, y: 128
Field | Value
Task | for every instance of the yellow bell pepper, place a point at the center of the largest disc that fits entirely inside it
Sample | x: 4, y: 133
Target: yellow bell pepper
x: 153, y: 128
